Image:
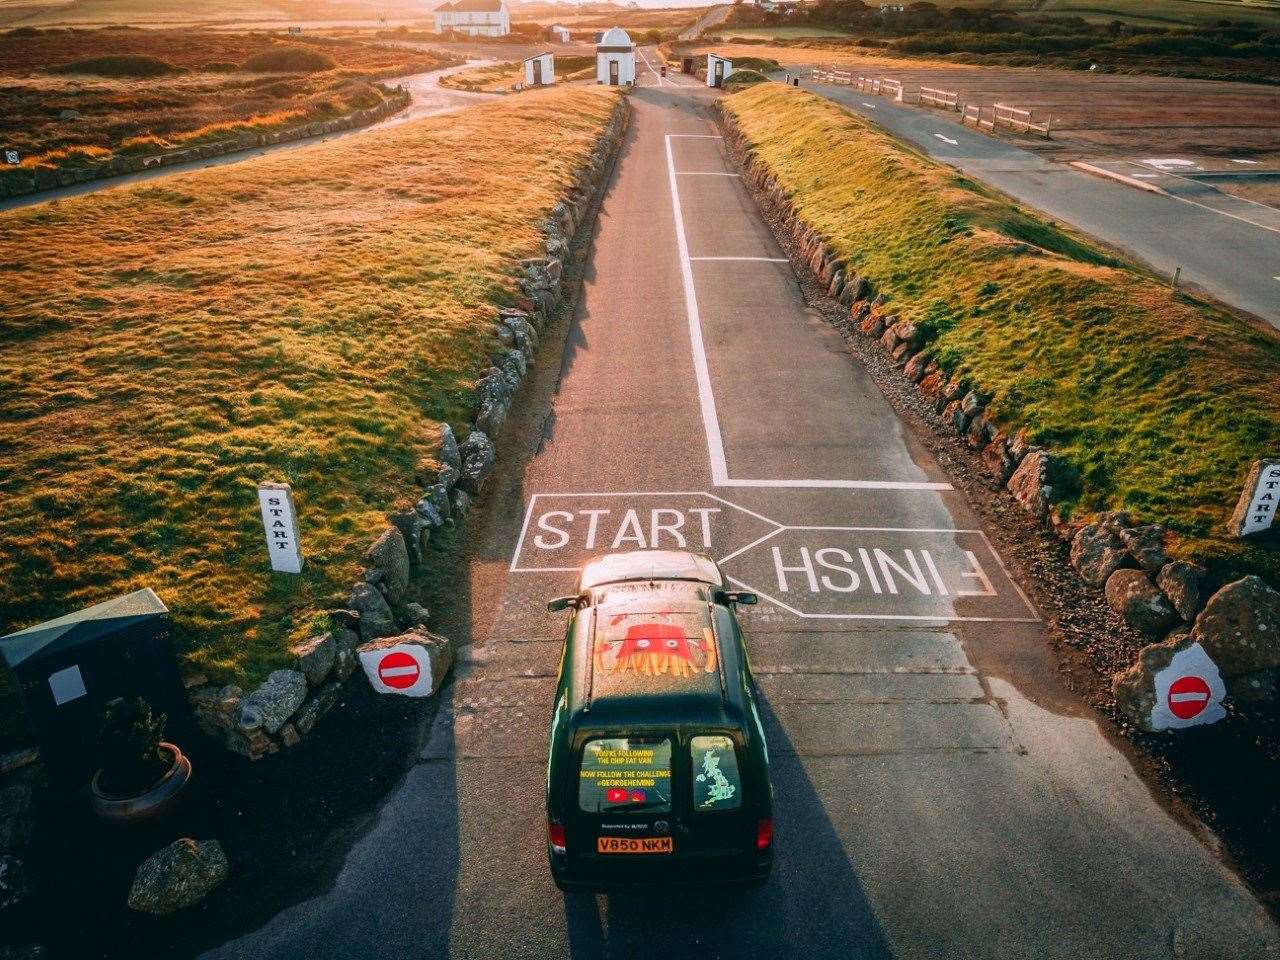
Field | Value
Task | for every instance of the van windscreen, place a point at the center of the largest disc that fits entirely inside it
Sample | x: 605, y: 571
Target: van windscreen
x: 625, y: 773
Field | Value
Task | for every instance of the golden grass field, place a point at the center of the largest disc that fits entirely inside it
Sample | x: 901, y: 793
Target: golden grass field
x: 211, y: 93
x: 310, y: 316
x: 1156, y: 402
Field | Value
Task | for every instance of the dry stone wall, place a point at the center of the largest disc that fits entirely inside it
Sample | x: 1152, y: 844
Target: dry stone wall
x: 286, y: 706
x: 1166, y: 600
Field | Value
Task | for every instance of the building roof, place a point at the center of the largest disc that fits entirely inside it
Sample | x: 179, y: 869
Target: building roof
x: 615, y: 37
x: 471, y: 6
x: 81, y: 627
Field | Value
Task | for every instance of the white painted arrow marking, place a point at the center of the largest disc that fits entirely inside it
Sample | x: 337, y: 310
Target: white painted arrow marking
x: 954, y: 143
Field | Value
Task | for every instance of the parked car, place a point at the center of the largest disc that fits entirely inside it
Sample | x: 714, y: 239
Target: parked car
x: 657, y: 769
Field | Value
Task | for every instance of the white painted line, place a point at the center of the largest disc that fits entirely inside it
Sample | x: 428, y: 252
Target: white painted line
x: 954, y: 143
x: 702, y: 371
x: 704, y: 173
x: 524, y: 527
x: 694, y: 136
x: 656, y: 75
x: 917, y: 617
x: 754, y: 543
x: 1252, y: 163
x: 710, y: 422
x: 870, y: 105
x: 754, y: 259
x: 840, y: 484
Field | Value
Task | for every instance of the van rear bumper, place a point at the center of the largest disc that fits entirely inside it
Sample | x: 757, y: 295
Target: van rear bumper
x: 637, y: 873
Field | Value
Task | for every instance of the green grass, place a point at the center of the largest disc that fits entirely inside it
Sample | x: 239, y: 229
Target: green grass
x: 777, y: 33
x: 1156, y: 402
x: 308, y: 316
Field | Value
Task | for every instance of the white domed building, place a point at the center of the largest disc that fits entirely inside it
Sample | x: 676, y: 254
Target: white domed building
x: 616, y: 58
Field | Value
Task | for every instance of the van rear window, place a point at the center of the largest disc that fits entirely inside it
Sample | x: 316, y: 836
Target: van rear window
x: 716, y: 784
x: 625, y: 773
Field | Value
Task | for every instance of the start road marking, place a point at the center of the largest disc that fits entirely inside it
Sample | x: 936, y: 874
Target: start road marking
x: 812, y: 572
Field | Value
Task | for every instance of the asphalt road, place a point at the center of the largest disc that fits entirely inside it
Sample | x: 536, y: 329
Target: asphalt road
x: 937, y: 794
x: 428, y: 100
x: 1229, y: 248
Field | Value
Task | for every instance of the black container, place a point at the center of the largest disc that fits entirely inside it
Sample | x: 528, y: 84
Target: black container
x: 67, y: 669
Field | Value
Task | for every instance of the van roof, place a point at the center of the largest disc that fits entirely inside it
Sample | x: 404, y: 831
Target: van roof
x: 649, y: 565
x: 650, y: 659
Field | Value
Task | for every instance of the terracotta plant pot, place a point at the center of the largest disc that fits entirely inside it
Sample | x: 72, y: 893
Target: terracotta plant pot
x: 160, y: 797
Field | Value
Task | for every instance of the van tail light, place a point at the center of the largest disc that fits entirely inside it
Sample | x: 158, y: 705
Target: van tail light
x: 764, y: 833
x: 555, y: 836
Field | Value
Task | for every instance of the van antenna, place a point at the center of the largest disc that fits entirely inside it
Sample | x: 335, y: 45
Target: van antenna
x: 591, y: 663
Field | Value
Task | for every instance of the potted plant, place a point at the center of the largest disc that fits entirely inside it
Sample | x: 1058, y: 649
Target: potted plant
x: 140, y: 775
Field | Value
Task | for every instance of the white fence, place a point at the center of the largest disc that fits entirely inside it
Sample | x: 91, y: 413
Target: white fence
x: 1021, y: 120
x: 973, y: 114
x: 946, y: 99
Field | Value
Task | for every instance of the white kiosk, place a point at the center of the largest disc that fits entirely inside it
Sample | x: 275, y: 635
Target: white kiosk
x: 616, y: 58
x: 540, y: 71
x: 718, y: 70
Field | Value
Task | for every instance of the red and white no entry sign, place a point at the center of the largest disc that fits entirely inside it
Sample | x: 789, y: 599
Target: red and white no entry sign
x: 1188, y: 696
x: 403, y: 669
x: 399, y: 670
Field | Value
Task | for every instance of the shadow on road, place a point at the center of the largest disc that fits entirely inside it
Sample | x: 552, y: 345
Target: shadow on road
x: 813, y: 906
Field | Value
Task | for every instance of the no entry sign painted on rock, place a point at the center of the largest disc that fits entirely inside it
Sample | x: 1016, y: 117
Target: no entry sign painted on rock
x: 404, y: 669
x: 1189, y: 691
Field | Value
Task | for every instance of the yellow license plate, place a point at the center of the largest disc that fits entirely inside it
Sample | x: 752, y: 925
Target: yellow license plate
x: 633, y: 844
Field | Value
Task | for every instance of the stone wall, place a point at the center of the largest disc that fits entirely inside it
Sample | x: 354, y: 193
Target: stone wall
x: 1158, y: 597
x: 283, y: 709
x: 18, y: 181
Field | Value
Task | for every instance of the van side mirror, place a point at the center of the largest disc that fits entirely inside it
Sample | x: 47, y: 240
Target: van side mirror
x: 560, y: 604
x: 741, y: 596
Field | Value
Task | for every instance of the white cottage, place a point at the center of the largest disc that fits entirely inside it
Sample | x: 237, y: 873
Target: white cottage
x: 616, y: 58
x: 540, y: 71
x: 475, y: 18
x: 718, y: 70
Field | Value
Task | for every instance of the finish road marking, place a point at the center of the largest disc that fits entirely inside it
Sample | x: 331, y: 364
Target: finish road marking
x: 706, y: 397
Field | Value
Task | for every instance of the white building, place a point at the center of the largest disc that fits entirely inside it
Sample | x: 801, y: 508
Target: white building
x: 558, y: 33
x: 718, y: 70
x: 616, y: 58
x: 475, y: 18
x: 540, y: 71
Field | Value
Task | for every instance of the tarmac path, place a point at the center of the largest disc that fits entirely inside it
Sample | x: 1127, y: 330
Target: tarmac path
x: 937, y: 793
x: 1228, y: 247
x: 429, y: 99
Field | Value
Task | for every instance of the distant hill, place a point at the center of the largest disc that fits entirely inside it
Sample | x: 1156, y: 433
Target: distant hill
x: 14, y: 13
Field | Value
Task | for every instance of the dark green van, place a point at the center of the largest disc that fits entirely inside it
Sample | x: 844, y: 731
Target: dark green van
x: 657, y: 770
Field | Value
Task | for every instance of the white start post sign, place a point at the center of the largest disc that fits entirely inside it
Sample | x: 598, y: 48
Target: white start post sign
x: 1256, y: 511
x: 1189, y: 691
x: 280, y: 521
x: 404, y: 669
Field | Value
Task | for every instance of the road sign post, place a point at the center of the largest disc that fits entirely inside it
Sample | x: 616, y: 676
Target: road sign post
x: 280, y: 523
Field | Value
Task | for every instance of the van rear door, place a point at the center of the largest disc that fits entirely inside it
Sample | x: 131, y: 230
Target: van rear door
x: 720, y: 819
x: 623, y: 806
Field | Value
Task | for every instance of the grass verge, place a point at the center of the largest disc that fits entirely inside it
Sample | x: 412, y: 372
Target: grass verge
x: 1155, y: 401
x: 308, y: 316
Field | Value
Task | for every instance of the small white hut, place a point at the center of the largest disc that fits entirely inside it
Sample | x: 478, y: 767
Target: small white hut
x: 616, y: 58
x: 718, y: 70
x: 540, y: 71
x: 559, y: 33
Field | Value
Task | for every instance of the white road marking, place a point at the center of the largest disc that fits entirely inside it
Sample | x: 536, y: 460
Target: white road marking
x: 870, y: 105
x: 702, y: 372
x: 1252, y: 163
x: 954, y: 143
x: 656, y: 75
x: 756, y: 259
x: 710, y: 422
x: 704, y: 173
x: 694, y: 136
